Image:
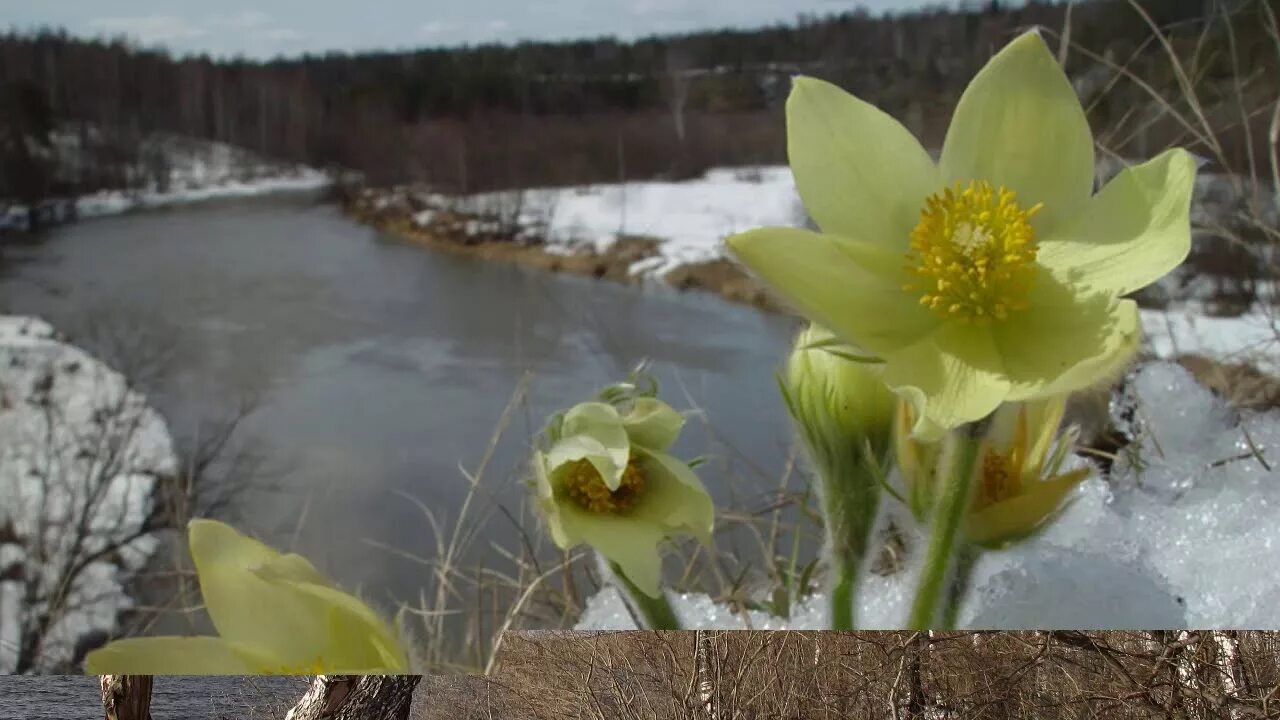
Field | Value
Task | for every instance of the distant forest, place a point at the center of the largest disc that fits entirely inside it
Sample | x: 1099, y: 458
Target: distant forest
x: 492, y: 116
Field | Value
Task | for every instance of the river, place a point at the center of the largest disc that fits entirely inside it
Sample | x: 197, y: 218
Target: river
x: 378, y: 368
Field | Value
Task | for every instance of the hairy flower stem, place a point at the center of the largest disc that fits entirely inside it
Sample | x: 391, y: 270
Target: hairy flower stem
x: 949, y: 510
x: 651, y: 613
x: 849, y: 503
x: 961, y: 578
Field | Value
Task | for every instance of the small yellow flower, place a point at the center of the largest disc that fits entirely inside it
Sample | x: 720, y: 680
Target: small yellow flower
x: 607, y: 481
x: 275, y: 615
x: 994, y: 275
x: 1018, y: 482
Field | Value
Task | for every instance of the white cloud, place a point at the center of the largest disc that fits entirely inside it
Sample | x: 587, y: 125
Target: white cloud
x: 436, y: 27
x: 284, y: 35
x: 151, y: 28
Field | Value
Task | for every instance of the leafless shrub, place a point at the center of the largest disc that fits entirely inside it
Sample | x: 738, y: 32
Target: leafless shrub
x: 700, y: 675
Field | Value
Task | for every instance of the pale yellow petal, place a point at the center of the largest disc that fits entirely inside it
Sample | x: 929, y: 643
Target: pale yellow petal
x: 1132, y: 233
x: 1019, y: 124
x: 1118, y: 348
x: 851, y: 287
x: 652, y: 424
x: 860, y: 173
x: 246, y: 609
x: 1022, y: 515
x: 674, y: 497
x: 1060, y: 329
x: 170, y: 655
x: 955, y: 373
x: 631, y: 543
x: 594, y: 431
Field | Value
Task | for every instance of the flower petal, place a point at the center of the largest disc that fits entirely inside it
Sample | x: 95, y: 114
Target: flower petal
x: 548, y: 505
x: 1019, y: 124
x: 852, y: 287
x: 630, y: 542
x: 359, y: 641
x: 859, y: 172
x: 169, y: 655
x: 674, y: 497
x: 246, y: 609
x: 1116, y: 349
x: 652, y: 424
x: 598, y: 422
x: 1132, y: 233
x: 955, y: 373
x: 1024, y: 514
x: 1062, y: 327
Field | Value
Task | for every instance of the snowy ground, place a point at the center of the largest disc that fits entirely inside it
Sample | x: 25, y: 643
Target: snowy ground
x: 79, y: 455
x: 193, y: 171
x: 1183, y: 533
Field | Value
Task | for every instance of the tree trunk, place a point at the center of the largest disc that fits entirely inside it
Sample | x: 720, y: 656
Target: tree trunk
x: 356, y: 697
x: 126, y: 697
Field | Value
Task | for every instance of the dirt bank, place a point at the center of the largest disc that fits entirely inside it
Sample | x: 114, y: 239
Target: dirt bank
x: 719, y: 276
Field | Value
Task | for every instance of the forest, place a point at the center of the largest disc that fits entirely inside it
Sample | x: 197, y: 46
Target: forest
x: 494, y: 116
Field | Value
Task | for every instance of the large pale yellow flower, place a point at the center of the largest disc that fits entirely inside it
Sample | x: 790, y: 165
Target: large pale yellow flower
x: 993, y: 275
x: 275, y: 615
x: 607, y: 481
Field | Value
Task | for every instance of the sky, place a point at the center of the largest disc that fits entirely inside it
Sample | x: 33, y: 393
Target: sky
x: 268, y: 28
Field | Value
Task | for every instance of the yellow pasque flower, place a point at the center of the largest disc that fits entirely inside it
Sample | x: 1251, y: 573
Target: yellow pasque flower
x: 275, y: 615
x: 993, y: 275
x: 1018, y: 483
x: 608, y: 482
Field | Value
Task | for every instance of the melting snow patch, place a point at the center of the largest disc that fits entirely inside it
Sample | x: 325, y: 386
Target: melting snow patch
x: 1183, y: 532
x: 79, y: 455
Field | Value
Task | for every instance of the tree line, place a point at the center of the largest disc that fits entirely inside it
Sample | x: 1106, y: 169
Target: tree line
x: 533, y: 113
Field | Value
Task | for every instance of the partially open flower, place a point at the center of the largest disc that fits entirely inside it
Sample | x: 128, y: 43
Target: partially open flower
x: 275, y: 615
x: 1020, y: 485
x: 1018, y: 482
x: 607, y: 481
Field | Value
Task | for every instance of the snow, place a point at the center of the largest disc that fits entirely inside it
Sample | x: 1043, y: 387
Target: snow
x: 77, y: 448
x: 1184, y: 532
x: 1252, y: 337
x: 193, y: 171
x: 690, y: 218
x: 114, y: 202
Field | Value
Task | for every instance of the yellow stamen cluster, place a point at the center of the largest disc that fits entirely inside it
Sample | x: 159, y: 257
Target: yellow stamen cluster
x: 584, y: 485
x: 1000, y: 478
x: 974, y: 251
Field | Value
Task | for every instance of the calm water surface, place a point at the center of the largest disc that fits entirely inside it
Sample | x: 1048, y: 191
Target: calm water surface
x: 378, y: 368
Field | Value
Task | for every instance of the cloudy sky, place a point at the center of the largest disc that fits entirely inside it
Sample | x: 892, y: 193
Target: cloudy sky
x: 289, y: 27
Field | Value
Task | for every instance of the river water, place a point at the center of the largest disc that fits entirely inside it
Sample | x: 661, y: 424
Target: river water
x: 378, y: 368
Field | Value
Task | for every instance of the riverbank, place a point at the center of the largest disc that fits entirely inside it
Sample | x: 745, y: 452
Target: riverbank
x: 182, y: 171
x: 633, y: 233
x: 672, y: 232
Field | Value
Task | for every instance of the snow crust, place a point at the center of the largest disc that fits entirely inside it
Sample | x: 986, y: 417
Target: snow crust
x: 78, y: 448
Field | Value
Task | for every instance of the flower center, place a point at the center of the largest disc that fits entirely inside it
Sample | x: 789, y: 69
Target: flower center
x: 974, y: 253
x: 999, y: 478
x: 584, y: 485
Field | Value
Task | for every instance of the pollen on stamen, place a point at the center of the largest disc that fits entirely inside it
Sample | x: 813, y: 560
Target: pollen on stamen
x: 974, y: 253
x: 583, y: 484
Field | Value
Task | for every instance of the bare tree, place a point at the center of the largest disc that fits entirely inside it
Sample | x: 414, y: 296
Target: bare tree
x: 356, y: 697
x: 126, y: 697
